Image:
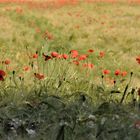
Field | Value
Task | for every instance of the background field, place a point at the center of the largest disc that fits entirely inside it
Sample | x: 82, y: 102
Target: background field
x: 112, y: 27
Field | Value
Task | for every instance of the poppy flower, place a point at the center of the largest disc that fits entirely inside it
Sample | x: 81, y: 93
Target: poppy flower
x: 90, y: 66
x: 124, y: 73
x: 109, y: 80
x: 54, y: 54
x: 85, y: 65
x: 48, y: 35
x: 106, y: 72
x: 9, y: 68
x: 76, y: 62
x: 117, y: 72
x: 7, y: 62
x: 59, y: 56
x: 26, y: 68
x: 90, y: 51
x: 35, y: 55
x: 37, y: 30
x: 82, y: 57
x: 39, y: 76
x: 138, y: 59
x: 65, y: 56
x: 101, y: 54
x: 2, y: 74
x: 74, y: 53
x: 47, y: 57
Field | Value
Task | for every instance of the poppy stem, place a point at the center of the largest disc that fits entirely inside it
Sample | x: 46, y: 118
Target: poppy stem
x: 126, y: 88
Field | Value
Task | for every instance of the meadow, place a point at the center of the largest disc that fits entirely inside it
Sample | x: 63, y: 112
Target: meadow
x: 70, y: 70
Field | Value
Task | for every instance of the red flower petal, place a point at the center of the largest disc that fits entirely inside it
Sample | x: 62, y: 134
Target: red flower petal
x: 74, y: 53
x: 1, y: 78
x: 7, y: 62
x: 106, y: 72
x: 90, y: 50
x: 82, y: 57
x: 124, y: 73
x: 39, y: 76
x: 65, y: 56
x: 2, y: 73
x: 26, y: 68
x: 117, y: 72
x: 47, y: 57
x: 102, y: 54
x: 54, y: 54
x: 138, y: 59
x: 35, y: 55
x: 76, y: 62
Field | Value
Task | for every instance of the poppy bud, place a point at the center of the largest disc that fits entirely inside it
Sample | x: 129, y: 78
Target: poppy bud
x: 13, y: 72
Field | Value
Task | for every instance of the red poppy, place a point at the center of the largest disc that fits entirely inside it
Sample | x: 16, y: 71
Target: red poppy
x: 109, y: 80
x: 124, y: 73
x: 102, y: 54
x: 59, y: 56
x: 74, y: 53
x: 106, y: 72
x: 7, y: 61
x: 26, y: 68
x: 39, y: 76
x: 84, y: 65
x: 76, y: 62
x: 48, y: 35
x: 90, y: 66
x: 117, y: 72
x: 35, y: 55
x: 65, y: 56
x: 90, y: 51
x: 82, y: 57
x: 47, y: 57
x: 138, y: 59
x: 54, y: 54
x: 2, y: 74
x: 37, y: 30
